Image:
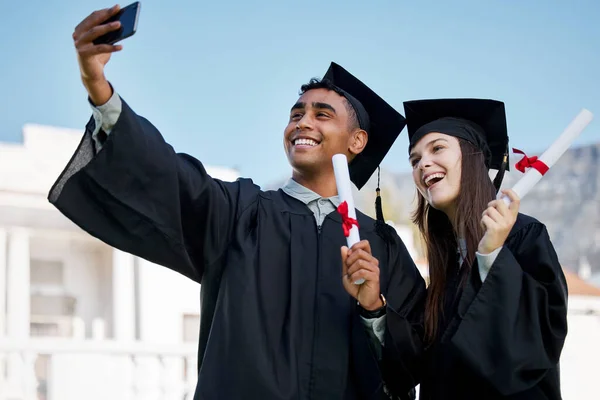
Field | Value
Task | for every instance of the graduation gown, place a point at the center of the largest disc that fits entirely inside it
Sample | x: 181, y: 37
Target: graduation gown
x: 502, y: 339
x: 276, y: 322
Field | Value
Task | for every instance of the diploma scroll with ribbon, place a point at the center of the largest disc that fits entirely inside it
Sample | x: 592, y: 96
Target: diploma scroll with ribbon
x: 535, y: 168
x: 346, y: 207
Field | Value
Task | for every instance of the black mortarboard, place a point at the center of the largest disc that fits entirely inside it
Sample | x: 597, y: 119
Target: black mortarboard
x: 382, y: 123
x: 481, y: 122
x: 380, y: 120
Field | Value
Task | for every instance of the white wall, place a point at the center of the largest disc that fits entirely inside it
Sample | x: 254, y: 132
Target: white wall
x: 580, y: 357
x: 165, y: 296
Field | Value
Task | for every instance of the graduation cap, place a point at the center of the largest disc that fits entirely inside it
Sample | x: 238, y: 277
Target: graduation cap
x: 381, y: 121
x: 481, y: 122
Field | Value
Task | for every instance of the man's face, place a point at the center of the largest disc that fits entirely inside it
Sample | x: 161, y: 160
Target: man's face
x: 318, y: 128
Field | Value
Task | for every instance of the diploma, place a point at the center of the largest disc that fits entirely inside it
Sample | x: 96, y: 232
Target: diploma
x: 346, y: 208
x: 535, y: 168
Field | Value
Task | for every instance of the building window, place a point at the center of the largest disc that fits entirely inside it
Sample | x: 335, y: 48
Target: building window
x: 52, y: 310
x: 45, y: 273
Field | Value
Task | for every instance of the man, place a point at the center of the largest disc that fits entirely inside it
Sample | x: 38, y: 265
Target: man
x: 276, y: 322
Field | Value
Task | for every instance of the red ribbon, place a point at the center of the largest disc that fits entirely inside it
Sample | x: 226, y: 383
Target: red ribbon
x: 530, y: 162
x: 347, y: 222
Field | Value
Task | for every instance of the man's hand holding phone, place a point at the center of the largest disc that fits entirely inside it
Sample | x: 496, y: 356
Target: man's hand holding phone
x: 93, y: 52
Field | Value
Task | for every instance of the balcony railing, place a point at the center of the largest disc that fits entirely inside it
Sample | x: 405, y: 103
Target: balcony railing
x: 65, y: 369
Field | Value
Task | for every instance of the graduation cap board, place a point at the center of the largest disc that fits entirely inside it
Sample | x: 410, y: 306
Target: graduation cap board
x: 381, y: 121
x: 481, y: 122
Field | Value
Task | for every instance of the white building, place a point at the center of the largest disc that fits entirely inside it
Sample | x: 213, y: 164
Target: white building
x: 82, y: 319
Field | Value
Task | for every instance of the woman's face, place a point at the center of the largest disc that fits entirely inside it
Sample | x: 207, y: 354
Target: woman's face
x: 436, y: 162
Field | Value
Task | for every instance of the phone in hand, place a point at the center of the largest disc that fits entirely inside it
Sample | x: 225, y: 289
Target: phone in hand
x: 128, y: 16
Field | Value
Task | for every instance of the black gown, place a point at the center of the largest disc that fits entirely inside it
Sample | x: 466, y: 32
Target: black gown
x: 276, y: 322
x: 502, y: 339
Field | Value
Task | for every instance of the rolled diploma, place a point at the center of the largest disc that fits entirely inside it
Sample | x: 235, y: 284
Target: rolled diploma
x: 344, y: 188
x: 550, y: 156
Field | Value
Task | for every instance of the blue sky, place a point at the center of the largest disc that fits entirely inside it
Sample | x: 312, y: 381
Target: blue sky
x: 218, y: 78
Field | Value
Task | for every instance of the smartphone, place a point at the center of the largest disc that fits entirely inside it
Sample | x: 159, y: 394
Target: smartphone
x: 128, y: 16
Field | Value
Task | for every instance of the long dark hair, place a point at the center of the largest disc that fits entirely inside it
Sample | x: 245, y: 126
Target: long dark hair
x: 441, y: 235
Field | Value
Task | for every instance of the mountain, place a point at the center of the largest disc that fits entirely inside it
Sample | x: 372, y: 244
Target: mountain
x: 567, y: 201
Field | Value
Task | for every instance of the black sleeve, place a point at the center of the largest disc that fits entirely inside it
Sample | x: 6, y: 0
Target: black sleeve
x: 141, y: 197
x: 513, y: 332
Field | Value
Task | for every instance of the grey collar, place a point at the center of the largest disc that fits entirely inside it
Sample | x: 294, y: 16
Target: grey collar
x: 305, y: 195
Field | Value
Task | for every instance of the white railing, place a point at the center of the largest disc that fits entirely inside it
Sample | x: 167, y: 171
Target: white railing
x: 67, y: 369
x: 51, y: 326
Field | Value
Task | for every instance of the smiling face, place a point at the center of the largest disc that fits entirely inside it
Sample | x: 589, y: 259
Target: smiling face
x: 436, y: 162
x: 320, y: 127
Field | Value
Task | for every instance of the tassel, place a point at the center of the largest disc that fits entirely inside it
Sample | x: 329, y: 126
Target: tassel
x: 500, y: 175
x: 378, y: 207
x: 385, y: 231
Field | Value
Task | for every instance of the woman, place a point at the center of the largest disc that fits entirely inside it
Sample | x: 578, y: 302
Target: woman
x: 495, y: 316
